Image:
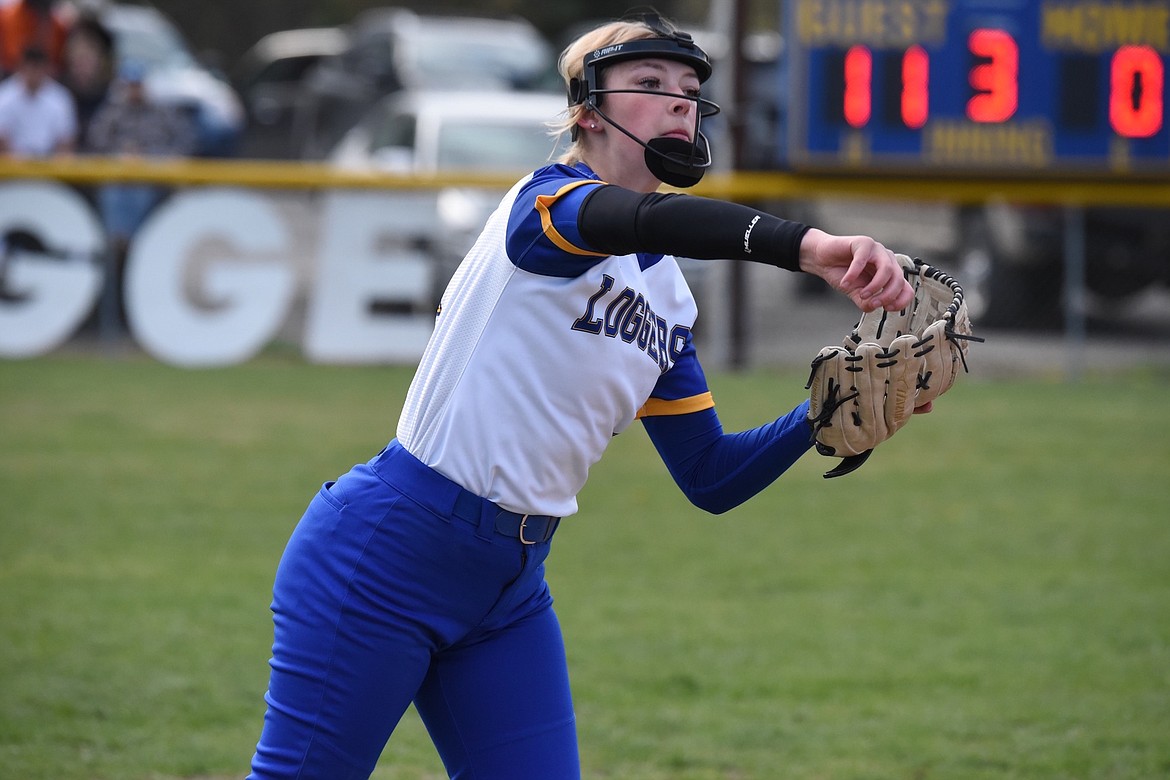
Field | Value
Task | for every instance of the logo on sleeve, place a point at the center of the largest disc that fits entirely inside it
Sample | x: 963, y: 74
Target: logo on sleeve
x: 747, y: 235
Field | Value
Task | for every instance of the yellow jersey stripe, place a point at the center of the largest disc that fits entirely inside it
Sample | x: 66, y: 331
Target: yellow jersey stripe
x: 657, y: 407
x: 544, y: 205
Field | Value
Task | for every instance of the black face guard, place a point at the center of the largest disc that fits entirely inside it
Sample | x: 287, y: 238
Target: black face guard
x: 674, y: 161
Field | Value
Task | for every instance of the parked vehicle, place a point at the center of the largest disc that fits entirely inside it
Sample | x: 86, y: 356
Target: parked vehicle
x: 391, y: 49
x: 269, y: 78
x: 1014, y: 259
x: 436, y: 131
x: 426, y: 131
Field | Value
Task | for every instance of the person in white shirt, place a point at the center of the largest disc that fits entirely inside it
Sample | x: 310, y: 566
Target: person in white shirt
x: 37, y: 115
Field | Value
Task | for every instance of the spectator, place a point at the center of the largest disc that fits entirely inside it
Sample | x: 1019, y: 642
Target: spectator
x: 130, y: 124
x: 37, y: 114
x: 88, y: 69
x: 32, y: 23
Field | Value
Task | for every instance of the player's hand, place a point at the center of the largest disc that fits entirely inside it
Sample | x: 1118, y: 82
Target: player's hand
x: 858, y: 267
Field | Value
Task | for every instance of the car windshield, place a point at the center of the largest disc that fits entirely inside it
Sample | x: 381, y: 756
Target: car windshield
x: 155, y: 45
x: 487, y: 146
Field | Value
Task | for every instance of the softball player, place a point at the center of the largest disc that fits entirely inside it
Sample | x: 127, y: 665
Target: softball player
x: 419, y: 575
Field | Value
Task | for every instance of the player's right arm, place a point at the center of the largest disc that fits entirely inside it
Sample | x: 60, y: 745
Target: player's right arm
x: 620, y: 221
x: 561, y: 224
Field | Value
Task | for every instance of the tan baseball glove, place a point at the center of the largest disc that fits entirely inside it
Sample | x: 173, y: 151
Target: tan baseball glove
x: 863, y: 392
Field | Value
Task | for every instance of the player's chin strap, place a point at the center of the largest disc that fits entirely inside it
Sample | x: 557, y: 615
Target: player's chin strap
x: 673, y: 161
x: 676, y: 162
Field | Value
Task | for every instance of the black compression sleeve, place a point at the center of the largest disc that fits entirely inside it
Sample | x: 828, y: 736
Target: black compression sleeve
x: 619, y: 221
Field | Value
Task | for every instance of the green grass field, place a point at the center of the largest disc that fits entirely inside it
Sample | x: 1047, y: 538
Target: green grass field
x: 989, y: 597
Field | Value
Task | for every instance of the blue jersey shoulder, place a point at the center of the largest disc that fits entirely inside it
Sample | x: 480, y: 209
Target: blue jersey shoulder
x: 543, y: 235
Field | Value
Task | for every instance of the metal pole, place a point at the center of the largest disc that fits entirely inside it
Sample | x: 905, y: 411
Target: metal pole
x: 740, y: 331
x: 1075, y: 327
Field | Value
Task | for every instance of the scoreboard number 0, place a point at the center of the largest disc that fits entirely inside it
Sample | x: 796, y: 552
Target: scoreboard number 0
x: 1137, y: 78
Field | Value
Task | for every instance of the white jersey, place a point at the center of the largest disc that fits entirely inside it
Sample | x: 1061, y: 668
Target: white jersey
x: 543, y: 350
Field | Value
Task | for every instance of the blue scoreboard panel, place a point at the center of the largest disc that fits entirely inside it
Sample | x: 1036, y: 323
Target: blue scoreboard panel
x: 1003, y: 87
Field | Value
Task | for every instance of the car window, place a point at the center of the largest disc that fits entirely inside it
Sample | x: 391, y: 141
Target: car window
x: 395, y: 130
x: 287, y: 69
x: 156, y: 45
x: 450, y: 58
x: 373, y: 58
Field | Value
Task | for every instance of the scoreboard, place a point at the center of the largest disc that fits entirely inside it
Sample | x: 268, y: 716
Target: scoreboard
x: 1004, y: 87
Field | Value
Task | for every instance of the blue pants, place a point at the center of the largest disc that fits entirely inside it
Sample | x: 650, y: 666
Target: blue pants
x: 396, y: 588
x: 124, y: 207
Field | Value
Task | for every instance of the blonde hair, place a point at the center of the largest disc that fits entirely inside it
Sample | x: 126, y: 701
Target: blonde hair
x: 571, y: 65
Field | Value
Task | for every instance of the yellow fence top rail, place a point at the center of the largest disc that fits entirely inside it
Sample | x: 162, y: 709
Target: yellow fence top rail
x: 734, y: 185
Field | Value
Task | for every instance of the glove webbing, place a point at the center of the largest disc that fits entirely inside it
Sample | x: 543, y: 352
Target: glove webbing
x: 952, y: 311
